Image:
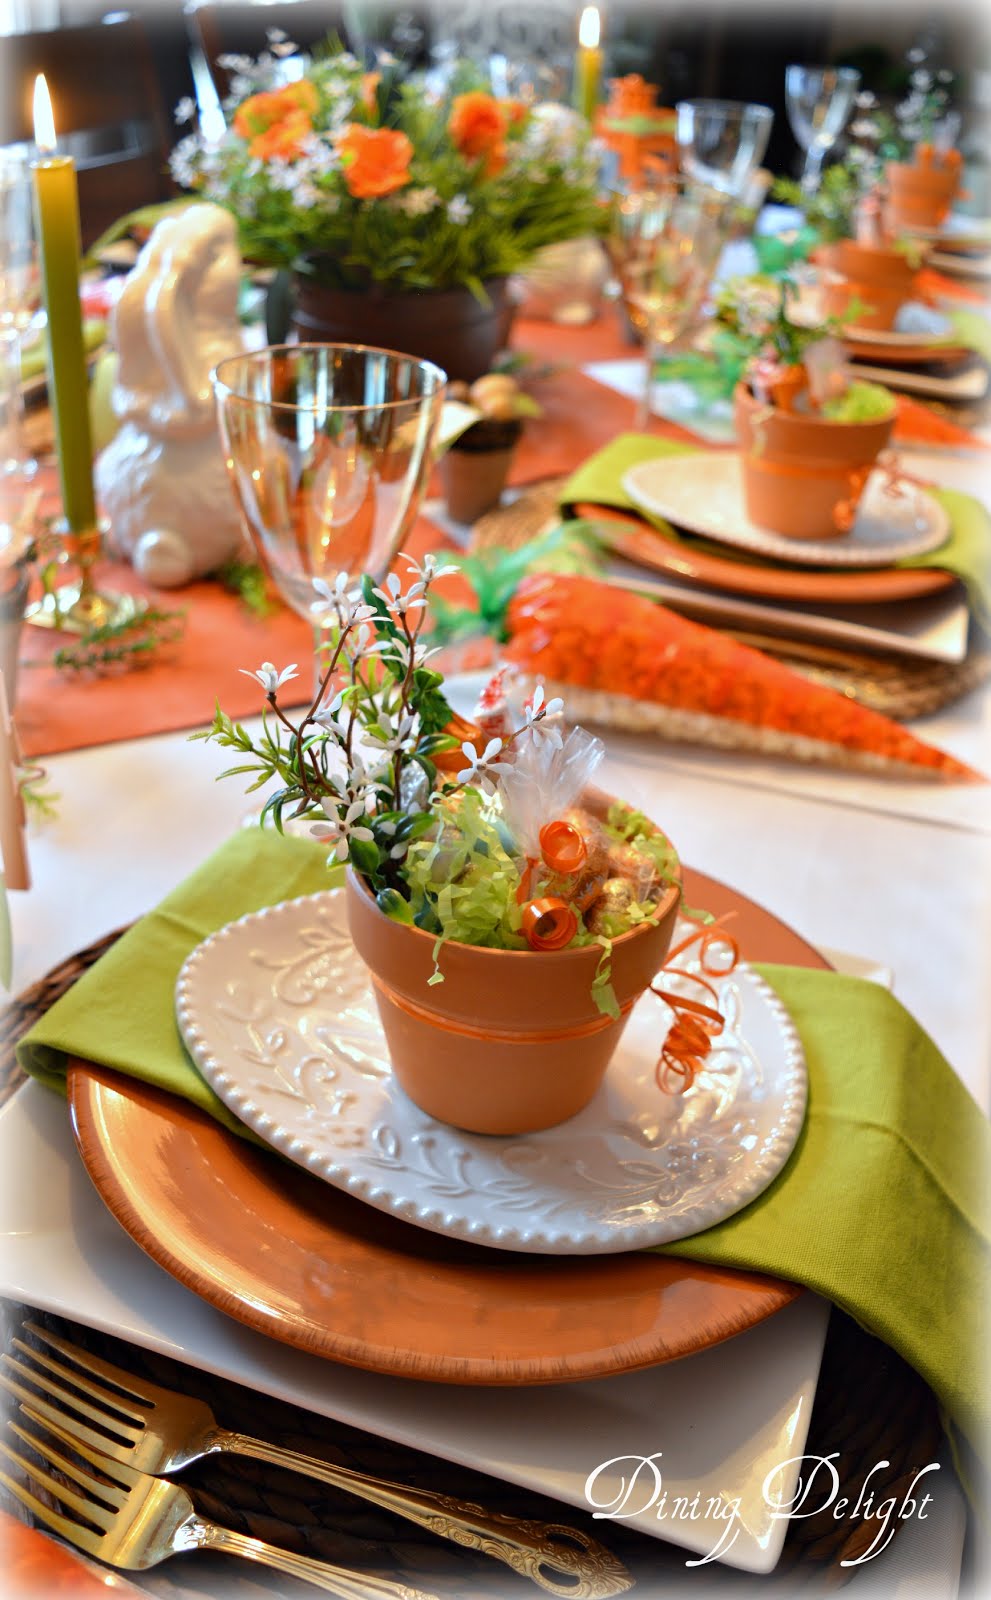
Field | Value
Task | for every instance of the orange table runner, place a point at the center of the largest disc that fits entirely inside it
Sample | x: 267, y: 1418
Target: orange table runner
x: 178, y: 689
x: 56, y: 711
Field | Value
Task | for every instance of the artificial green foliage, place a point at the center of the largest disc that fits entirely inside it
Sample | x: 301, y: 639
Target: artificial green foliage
x: 247, y: 580
x: 860, y: 402
x: 121, y: 646
x: 829, y: 212
x: 454, y: 219
x: 496, y: 574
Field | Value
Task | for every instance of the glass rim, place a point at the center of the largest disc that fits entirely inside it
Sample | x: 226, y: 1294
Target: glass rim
x: 841, y: 73
x: 755, y: 107
x: 222, y: 388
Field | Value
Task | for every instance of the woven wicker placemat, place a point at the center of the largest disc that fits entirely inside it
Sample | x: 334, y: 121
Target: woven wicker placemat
x: 892, y: 684
x: 870, y: 1407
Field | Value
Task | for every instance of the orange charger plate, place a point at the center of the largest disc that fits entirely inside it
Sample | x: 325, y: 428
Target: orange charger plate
x: 308, y: 1265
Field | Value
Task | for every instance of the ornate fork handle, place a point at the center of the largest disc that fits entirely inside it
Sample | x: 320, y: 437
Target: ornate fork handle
x: 338, y: 1580
x: 540, y: 1551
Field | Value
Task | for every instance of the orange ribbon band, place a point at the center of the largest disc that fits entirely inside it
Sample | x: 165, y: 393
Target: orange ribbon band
x: 579, y: 1030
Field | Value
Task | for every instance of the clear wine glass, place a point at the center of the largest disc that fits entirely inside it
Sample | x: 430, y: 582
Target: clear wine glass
x: 818, y: 101
x: 20, y: 296
x: 665, y: 244
x: 328, y: 451
x: 722, y: 142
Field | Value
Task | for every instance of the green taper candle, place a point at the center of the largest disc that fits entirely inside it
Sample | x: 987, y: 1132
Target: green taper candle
x: 56, y: 199
x: 588, y: 64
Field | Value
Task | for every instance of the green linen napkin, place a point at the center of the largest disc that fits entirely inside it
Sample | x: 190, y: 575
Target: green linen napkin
x: 880, y: 1207
x: 971, y: 329
x: 966, y: 552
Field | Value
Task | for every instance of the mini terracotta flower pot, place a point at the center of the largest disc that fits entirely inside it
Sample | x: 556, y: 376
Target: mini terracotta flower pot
x: 511, y: 1041
x: 920, y: 193
x: 474, y: 470
x: 881, y: 280
x: 803, y: 475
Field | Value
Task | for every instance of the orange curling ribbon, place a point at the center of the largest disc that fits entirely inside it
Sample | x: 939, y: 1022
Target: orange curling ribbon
x: 549, y: 924
x: 695, y: 1024
x: 562, y: 846
x: 563, y: 850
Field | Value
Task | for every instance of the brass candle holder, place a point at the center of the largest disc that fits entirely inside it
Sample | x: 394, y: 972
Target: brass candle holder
x: 79, y: 607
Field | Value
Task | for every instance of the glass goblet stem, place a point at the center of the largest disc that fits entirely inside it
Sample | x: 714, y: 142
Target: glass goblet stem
x: 812, y: 170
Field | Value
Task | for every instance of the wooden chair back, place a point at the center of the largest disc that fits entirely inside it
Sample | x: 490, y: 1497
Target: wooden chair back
x: 108, y: 112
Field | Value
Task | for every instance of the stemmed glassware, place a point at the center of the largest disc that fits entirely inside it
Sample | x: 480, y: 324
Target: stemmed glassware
x: 19, y: 300
x: 818, y: 101
x: 328, y: 449
x: 665, y: 244
x: 722, y: 142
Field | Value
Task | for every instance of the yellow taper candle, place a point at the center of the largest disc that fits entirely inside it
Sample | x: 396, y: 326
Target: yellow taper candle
x: 588, y: 64
x: 56, y: 199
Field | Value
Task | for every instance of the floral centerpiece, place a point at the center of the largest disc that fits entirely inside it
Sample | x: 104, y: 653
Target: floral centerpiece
x: 809, y: 435
x: 364, y: 183
x: 509, y: 912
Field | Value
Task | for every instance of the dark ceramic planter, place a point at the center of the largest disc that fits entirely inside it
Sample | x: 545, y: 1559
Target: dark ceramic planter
x: 447, y: 326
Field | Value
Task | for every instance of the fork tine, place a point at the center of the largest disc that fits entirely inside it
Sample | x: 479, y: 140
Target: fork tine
x: 51, y: 1417
x: 96, y: 1391
x: 124, y: 1477
x: 48, y: 1386
x: 148, y: 1393
x: 102, y: 1515
x: 83, y: 1538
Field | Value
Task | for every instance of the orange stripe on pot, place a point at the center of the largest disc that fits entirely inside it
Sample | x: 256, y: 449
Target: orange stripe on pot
x: 580, y: 1030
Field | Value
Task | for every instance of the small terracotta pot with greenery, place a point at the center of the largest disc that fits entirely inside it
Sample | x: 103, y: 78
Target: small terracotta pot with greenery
x: 808, y: 436
x: 920, y: 193
x: 475, y: 468
x: 872, y: 282
x: 510, y: 914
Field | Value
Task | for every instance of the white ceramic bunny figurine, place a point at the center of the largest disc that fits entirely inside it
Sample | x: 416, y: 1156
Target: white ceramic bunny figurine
x: 162, y: 480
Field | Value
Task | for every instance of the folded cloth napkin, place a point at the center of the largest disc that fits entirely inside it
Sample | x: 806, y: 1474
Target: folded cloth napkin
x: 966, y: 552
x: 880, y: 1208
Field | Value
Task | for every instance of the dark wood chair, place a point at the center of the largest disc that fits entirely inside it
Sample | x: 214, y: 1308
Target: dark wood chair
x: 236, y: 28
x: 108, y: 112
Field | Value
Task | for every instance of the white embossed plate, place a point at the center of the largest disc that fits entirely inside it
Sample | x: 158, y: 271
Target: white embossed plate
x: 277, y: 1012
x: 703, y: 493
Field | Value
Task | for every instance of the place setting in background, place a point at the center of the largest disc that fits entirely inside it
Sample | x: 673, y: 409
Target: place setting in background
x: 442, y: 1091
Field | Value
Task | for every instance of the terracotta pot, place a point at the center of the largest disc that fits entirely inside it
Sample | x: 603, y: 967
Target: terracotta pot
x: 920, y: 193
x: 474, y: 470
x: 511, y: 1041
x: 882, y: 280
x: 803, y: 476
x: 447, y: 326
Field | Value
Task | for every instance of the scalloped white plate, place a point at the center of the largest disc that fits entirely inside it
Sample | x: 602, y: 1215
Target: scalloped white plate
x: 703, y: 493
x: 278, y: 1014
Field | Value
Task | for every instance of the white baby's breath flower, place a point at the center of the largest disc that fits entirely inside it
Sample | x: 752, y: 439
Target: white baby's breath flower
x: 536, y: 713
x: 395, y: 737
x: 476, y: 771
x: 341, y: 827
x: 417, y: 202
x: 269, y: 678
x: 399, y: 602
x: 185, y: 111
x: 458, y: 210
x: 428, y: 569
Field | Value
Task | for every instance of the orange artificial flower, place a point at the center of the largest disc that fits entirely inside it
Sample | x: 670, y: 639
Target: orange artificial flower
x: 516, y: 111
x: 375, y: 160
x: 277, y: 120
x: 369, y: 89
x: 478, y: 126
x: 284, y: 140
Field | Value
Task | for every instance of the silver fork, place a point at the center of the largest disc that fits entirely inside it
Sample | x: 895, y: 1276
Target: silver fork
x: 158, y: 1430
x: 138, y: 1521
